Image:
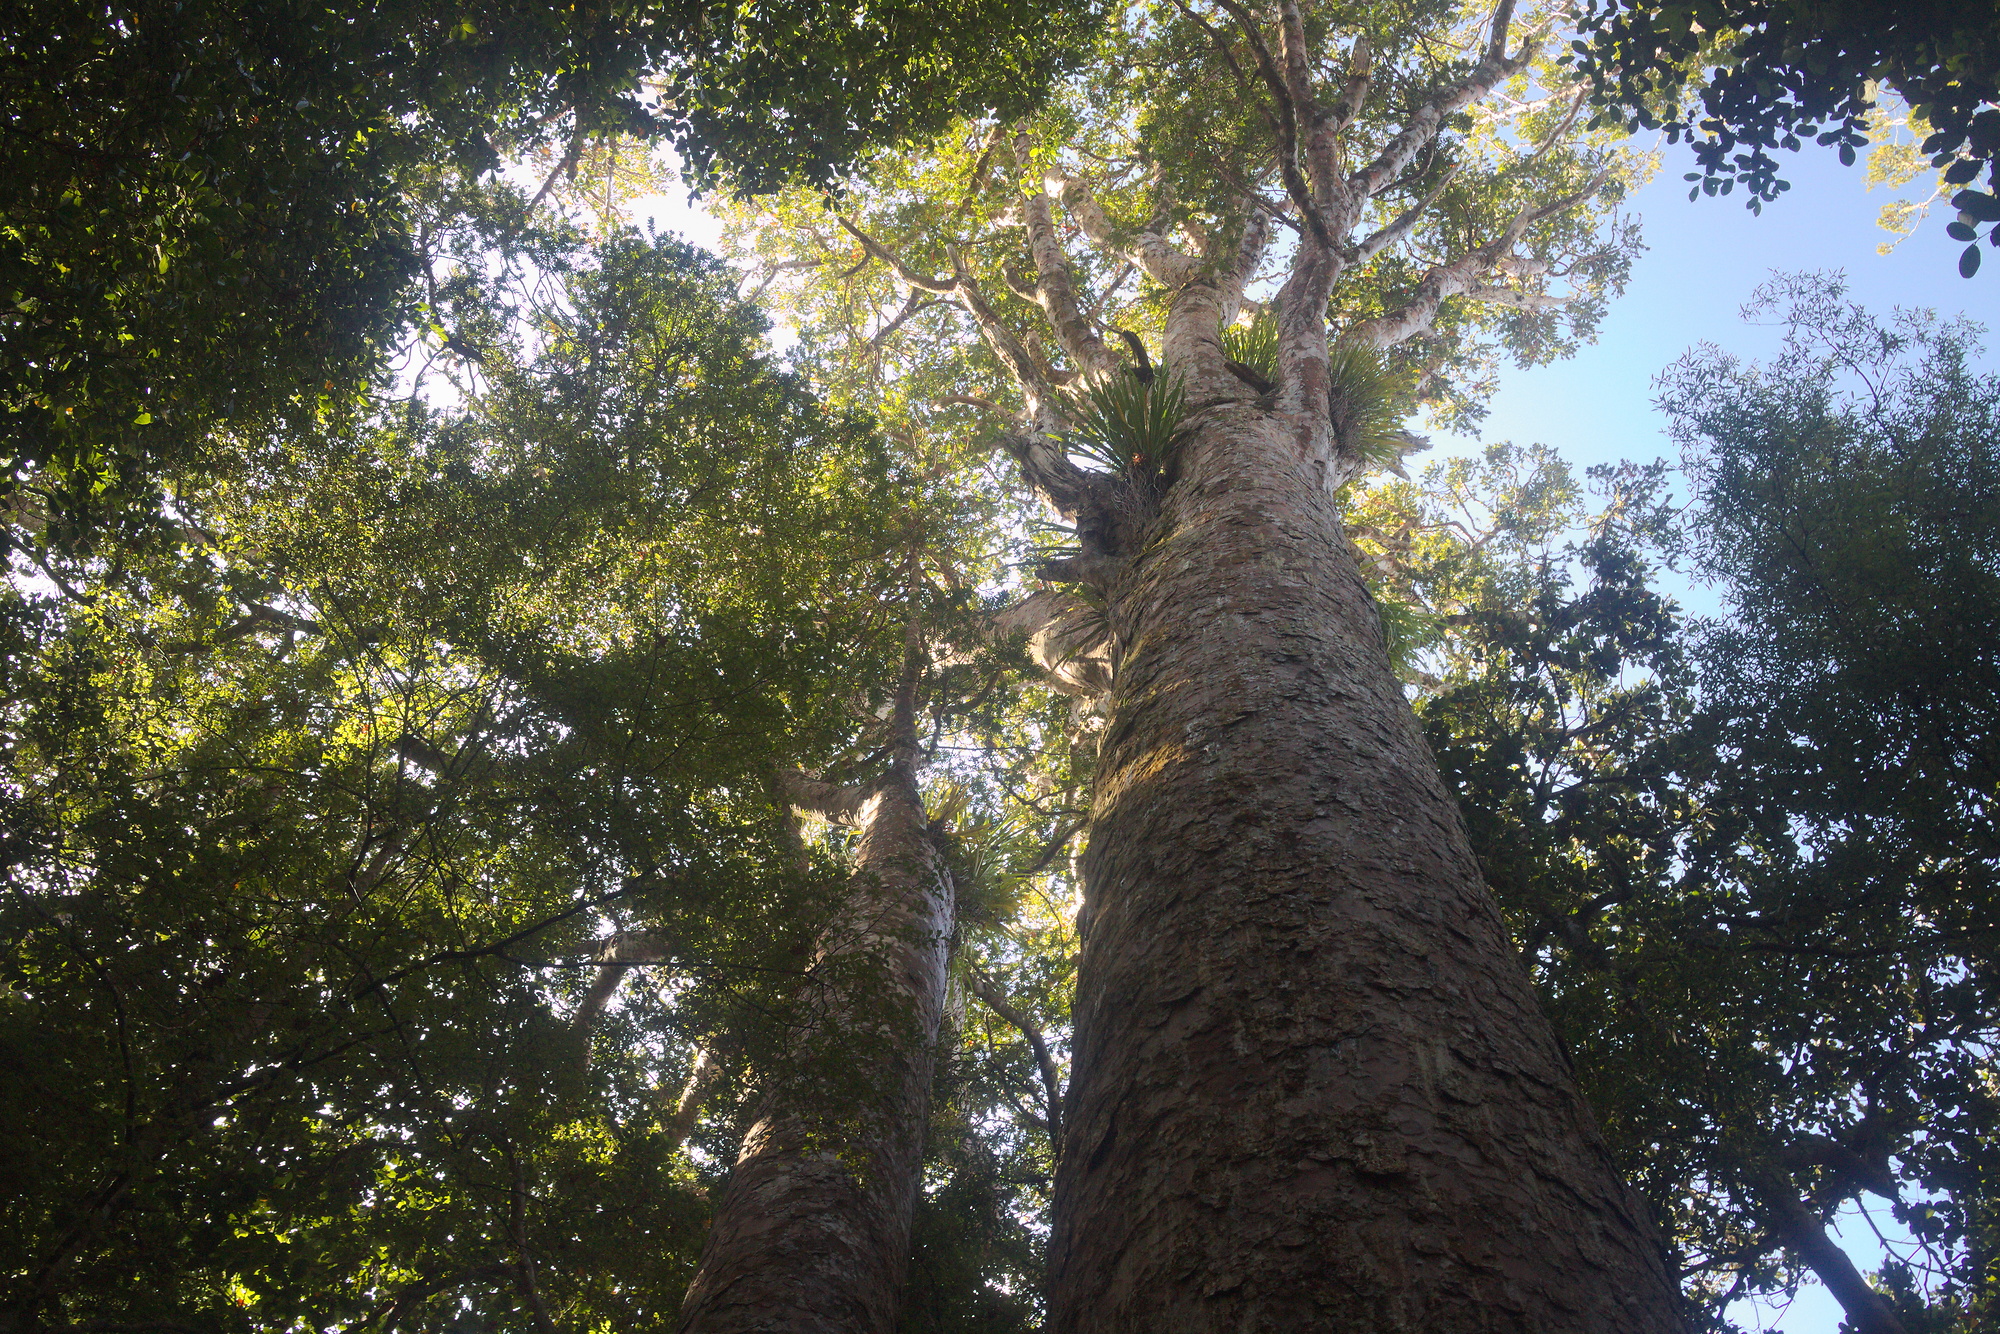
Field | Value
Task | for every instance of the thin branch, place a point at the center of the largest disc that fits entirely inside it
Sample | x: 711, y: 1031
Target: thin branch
x: 916, y: 305
x: 566, y: 164
x: 615, y: 957
x: 997, y: 1001
x: 895, y: 262
x: 1378, y: 241
x: 771, y: 273
x: 1507, y: 296
x: 524, y: 1262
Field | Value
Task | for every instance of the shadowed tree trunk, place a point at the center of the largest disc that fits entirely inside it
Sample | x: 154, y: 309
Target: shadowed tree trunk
x: 812, y: 1232
x: 1312, y: 1088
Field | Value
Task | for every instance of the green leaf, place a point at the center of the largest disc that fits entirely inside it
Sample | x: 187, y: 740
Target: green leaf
x: 1983, y: 207
x: 1968, y: 263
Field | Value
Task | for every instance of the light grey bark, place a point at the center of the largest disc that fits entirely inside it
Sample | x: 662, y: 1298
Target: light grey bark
x: 812, y: 1232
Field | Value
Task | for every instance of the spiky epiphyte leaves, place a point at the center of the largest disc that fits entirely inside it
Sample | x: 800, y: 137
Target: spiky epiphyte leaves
x: 979, y: 850
x: 1254, y: 345
x: 1368, y: 402
x: 1129, y: 426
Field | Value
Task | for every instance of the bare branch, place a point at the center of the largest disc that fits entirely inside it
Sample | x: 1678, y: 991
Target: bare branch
x: 1355, y: 94
x: 1286, y: 97
x: 1496, y: 46
x: 997, y: 1001
x: 1110, y: 290
x: 895, y: 262
x: 524, y: 1260
x: 832, y: 802
x: 916, y: 305
x: 1460, y: 276
x: 705, y: 1074
x: 1378, y: 241
x: 771, y: 273
x: 1507, y: 296
x: 1028, y: 369
x: 967, y: 400
x: 1242, y: 268
x: 1066, y: 637
x: 567, y: 163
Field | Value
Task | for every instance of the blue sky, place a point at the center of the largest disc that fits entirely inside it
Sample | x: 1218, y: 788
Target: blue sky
x: 1704, y: 259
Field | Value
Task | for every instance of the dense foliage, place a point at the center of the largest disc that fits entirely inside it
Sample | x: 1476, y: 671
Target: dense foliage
x: 318, y: 811
x: 224, y: 211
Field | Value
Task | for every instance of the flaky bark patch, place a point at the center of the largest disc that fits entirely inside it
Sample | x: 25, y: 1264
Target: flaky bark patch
x: 1313, y: 1089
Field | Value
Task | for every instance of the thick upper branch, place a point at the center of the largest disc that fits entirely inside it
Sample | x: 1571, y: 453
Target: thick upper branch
x: 1055, y: 281
x: 1429, y: 119
x: 1158, y: 257
x: 1461, y: 277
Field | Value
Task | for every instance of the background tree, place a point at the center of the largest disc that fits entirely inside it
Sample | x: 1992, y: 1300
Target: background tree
x: 323, y: 816
x: 1767, y: 954
x: 220, y: 214
x: 1770, y: 74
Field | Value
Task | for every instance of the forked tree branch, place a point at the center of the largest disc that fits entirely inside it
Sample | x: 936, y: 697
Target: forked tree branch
x: 615, y: 957
x: 1384, y: 237
x: 1055, y: 282
x: 1460, y: 276
x: 1158, y: 257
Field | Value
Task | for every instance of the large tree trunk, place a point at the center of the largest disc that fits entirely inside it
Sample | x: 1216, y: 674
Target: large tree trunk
x: 813, y: 1231
x: 1313, y: 1089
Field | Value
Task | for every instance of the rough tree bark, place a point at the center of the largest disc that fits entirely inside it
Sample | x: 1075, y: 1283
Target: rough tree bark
x: 812, y: 1232
x: 1311, y: 1086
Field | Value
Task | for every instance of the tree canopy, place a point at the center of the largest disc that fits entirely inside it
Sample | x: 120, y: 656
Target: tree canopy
x: 226, y: 213
x: 1737, y: 79
x: 436, y: 733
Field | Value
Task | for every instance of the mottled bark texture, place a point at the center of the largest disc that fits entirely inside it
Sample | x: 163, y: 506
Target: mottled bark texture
x: 1312, y: 1088
x: 813, y: 1230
